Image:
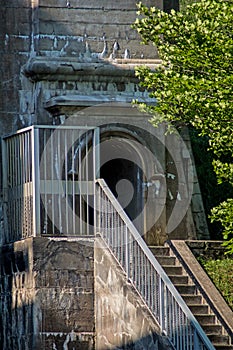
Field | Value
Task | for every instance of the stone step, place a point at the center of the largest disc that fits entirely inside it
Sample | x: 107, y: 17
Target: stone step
x: 205, y: 319
x: 192, y: 299
x: 212, y: 329
x: 173, y: 270
x: 186, y: 289
x: 179, y: 279
x: 202, y: 309
x: 160, y: 250
x: 220, y: 339
x: 166, y: 260
x: 223, y: 347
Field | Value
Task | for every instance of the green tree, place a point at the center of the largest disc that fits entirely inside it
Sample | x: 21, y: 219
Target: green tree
x: 193, y: 84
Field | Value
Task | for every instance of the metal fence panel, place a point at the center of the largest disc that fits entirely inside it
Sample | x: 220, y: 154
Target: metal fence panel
x: 49, y: 174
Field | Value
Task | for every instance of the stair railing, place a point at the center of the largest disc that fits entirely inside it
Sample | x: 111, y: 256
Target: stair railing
x: 146, y: 274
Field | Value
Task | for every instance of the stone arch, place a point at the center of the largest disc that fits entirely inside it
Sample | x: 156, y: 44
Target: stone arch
x: 127, y: 165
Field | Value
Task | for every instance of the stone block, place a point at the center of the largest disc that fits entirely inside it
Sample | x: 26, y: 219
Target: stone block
x: 104, y: 4
x: 18, y: 21
x: 16, y: 3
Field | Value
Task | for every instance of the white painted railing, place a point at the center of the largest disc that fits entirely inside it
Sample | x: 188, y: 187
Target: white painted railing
x: 146, y: 274
x: 48, y: 181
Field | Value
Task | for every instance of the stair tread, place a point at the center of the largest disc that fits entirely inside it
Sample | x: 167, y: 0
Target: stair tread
x: 166, y: 260
x: 180, y: 279
x: 194, y: 301
x: 186, y: 289
x: 160, y: 250
x: 205, y: 315
x: 219, y: 338
x: 212, y: 329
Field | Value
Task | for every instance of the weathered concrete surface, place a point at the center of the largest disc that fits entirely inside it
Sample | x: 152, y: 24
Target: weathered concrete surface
x: 207, y: 249
x: 122, y: 319
x: 47, y: 294
x: 66, y: 294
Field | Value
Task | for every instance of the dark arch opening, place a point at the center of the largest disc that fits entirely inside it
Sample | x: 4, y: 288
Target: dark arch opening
x: 123, y: 170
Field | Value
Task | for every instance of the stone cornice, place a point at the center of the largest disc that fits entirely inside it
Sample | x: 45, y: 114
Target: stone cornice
x: 69, y: 68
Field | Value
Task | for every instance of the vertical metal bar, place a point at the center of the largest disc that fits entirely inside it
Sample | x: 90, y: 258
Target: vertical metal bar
x: 96, y: 153
x: 45, y: 149
x: 195, y: 339
x: 177, y: 325
x: 17, y: 228
x: 5, y: 176
x: 21, y: 159
x: 18, y: 194
x: 96, y: 169
x: 73, y: 182
x: 59, y: 166
x: 112, y: 228
x: 126, y: 252
x: 52, y: 178
x: 18, y: 189
x: 35, y: 180
x: 80, y: 185
x: 96, y: 208
x: 23, y: 166
x: 87, y: 179
x: 161, y: 304
x: 11, y: 213
x: 66, y: 183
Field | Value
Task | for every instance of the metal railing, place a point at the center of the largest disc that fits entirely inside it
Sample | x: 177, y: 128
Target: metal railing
x: 50, y: 187
x: 146, y: 274
x: 48, y: 181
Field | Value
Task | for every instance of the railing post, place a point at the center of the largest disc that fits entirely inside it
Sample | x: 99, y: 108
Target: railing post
x: 127, y: 253
x: 96, y: 170
x: 161, y: 303
x: 96, y: 208
x: 36, y: 180
x: 4, y: 187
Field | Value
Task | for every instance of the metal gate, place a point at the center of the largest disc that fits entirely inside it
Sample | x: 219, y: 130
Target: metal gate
x: 49, y: 175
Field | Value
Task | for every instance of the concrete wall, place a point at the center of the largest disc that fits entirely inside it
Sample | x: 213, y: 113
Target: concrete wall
x: 65, y: 31
x: 15, y: 48
x: 70, y: 294
x: 49, y: 28
x: 47, y: 293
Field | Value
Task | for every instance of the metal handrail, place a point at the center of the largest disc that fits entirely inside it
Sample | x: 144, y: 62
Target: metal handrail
x: 146, y: 274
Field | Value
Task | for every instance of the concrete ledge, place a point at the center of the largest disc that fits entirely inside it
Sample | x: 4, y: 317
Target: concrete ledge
x: 97, y: 99
x: 204, y: 284
x: 69, y: 68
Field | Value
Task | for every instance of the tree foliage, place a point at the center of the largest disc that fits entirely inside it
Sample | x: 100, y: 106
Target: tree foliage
x: 193, y: 84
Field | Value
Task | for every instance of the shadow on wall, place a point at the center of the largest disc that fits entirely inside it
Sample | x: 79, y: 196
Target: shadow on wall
x: 16, y: 326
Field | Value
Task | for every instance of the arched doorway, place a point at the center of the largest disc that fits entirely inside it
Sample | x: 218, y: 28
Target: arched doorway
x: 127, y: 166
x: 121, y: 166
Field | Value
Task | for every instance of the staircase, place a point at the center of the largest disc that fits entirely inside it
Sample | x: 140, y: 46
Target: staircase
x: 178, y: 304
x: 194, y: 300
